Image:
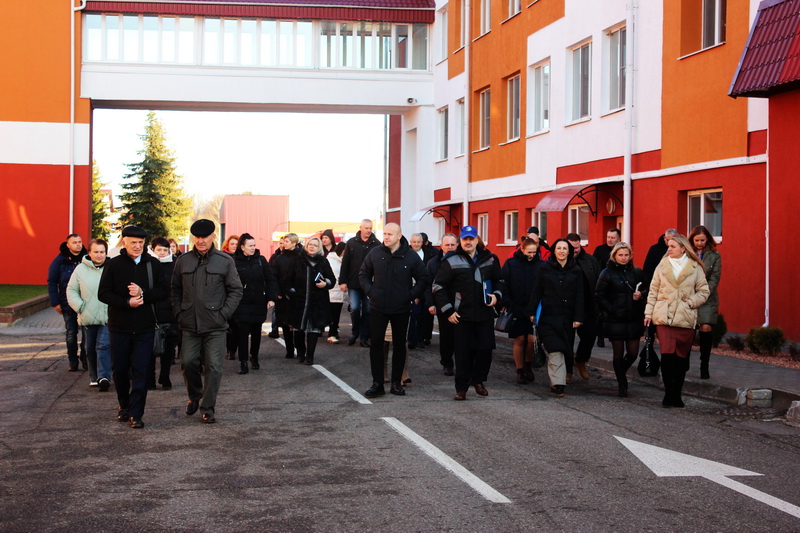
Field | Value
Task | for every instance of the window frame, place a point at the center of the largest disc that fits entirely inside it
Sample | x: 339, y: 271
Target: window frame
x: 616, y: 69
x: 443, y: 34
x: 484, y: 118
x: 539, y: 219
x: 514, y: 8
x: 539, y: 101
x: 485, y: 17
x: 461, y: 127
x: 717, y: 25
x: 510, y: 226
x: 443, y: 130
x: 701, y: 218
x: 576, y: 214
x: 580, y: 82
x: 513, y: 108
x: 482, y: 225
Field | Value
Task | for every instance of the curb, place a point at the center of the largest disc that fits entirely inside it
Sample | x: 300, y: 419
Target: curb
x: 11, y: 313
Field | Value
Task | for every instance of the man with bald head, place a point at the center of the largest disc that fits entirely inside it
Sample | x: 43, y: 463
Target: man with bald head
x: 392, y: 277
x: 355, y: 251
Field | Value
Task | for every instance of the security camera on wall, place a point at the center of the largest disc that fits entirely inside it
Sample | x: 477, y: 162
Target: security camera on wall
x: 412, y: 100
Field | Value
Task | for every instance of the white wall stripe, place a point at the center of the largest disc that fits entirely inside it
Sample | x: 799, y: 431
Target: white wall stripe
x: 42, y: 143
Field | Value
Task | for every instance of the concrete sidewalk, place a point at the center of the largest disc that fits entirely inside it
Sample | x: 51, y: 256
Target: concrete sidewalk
x: 728, y: 374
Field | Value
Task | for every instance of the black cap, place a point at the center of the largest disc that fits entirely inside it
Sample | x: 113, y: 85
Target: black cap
x: 203, y: 228
x: 134, y: 231
x: 533, y: 229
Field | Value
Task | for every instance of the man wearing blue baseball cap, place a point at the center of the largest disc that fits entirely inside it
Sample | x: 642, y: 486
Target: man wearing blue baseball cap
x: 467, y: 287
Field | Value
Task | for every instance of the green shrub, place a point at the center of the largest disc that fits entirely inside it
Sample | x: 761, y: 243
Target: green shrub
x: 736, y: 343
x: 768, y: 339
x: 794, y: 351
x: 718, y: 331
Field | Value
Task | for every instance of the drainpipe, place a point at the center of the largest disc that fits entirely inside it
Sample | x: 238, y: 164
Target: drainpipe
x: 629, y: 87
x: 767, y: 243
x: 467, y: 110
x: 385, y: 167
x: 72, y: 11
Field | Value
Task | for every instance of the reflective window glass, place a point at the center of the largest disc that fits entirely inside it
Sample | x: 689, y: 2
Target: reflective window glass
x: 365, y: 45
x: 112, y: 37
x: 420, y: 47
x: 286, y: 46
x: 186, y: 41
x: 248, y: 43
x: 230, y: 41
x: 303, y: 42
x: 150, y: 39
x: 130, y: 38
x: 168, y: 39
x: 269, y: 46
x: 93, y: 50
x: 211, y: 41
x: 327, y: 40
x: 346, y: 45
x: 384, y: 45
x: 401, y: 46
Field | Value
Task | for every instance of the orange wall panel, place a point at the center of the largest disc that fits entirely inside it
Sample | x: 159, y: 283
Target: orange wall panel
x: 699, y: 121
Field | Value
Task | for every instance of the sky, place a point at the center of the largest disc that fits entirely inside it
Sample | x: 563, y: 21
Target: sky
x: 330, y: 165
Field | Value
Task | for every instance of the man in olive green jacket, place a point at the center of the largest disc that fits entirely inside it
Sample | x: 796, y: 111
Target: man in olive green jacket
x: 205, y: 292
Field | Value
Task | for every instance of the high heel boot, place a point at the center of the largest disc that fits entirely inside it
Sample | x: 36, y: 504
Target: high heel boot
x: 705, y: 342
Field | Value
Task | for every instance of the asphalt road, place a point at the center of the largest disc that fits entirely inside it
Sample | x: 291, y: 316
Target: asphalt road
x: 292, y: 451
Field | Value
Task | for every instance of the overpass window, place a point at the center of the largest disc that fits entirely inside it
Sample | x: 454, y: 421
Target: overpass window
x: 248, y: 43
x: 286, y: 43
x: 150, y: 39
x: 269, y: 43
x: 94, y: 38
x: 365, y: 45
x: 211, y: 41
x: 346, y: 45
x: 401, y: 42
x: 230, y: 41
x: 130, y: 38
x: 419, y: 47
x: 113, y: 36
x: 384, y: 45
x: 168, y: 39
x: 186, y: 40
x: 305, y: 38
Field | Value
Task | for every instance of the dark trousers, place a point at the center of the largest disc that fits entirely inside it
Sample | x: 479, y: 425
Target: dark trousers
x: 232, y: 340
x: 446, y: 341
x: 336, y: 313
x: 474, y: 342
x: 211, y: 347
x: 425, y: 324
x: 378, y: 321
x: 130, y: 356
x: 587, y: 334
x: 414, y: 334
x: 359, y: 314
x: 71, y: 325
x: 171, y: 342
x: 248, y: 333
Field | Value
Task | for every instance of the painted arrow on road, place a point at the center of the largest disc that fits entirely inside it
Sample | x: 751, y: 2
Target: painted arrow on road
x: 667, y: 463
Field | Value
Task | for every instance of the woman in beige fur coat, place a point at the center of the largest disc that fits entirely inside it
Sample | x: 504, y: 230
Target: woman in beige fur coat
x: 678, y: 288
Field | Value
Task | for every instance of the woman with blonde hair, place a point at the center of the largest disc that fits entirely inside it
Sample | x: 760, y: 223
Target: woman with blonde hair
x: 706, y: 248
x: 678, y: 289
x: 621, y: 307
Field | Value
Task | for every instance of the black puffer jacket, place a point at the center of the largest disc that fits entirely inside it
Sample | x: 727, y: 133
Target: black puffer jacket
x: 61, y: 269
x: 309, y: 305
x: 560, y: 291
x: 459, y: 284
x: 623, y: 317
x: 258, y: 287
x: 520, y: 274
x: 120, y: 272
x: 393, y: 280
x: 353, y: 257
x: 205, y: 291
x: 591, y: 271
x: 432, y: 267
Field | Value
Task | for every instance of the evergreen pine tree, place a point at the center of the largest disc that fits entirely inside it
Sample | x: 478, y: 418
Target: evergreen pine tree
x: 100, y: 227
x: 154, y: 199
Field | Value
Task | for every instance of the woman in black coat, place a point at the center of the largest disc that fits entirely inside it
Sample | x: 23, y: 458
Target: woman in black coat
x: 559, y: 289
x: 520, y: 272
x: 309, y: 303
x: 622, y: 308
x: 260, y: 290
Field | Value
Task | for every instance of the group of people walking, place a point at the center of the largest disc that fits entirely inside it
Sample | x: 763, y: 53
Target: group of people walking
x: 208, y: 302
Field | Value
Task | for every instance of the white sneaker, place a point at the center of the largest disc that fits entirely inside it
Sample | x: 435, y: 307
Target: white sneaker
x: 333, y: 340
x: 93, y: 383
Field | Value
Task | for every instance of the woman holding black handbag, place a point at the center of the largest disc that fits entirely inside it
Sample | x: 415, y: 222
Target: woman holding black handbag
x: 520, y: 272
x: 622, y: 308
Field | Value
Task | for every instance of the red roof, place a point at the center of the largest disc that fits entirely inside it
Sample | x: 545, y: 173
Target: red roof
x: 771, y: 59
x: 413, y: 11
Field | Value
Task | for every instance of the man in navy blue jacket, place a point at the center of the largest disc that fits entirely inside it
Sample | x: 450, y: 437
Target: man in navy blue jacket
x: 70, y: 255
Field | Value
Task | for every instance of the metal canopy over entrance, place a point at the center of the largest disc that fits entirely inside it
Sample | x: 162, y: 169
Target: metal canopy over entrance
x: 559, y: 199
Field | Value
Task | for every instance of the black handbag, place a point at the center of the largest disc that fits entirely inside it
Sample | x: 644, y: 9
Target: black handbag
x: 160, y: 333
x: 504, y: 322
x: 648, y: 359
x: 539, y: 355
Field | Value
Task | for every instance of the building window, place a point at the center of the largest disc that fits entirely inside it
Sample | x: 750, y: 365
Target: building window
x: 482, y: 226
x: 705, y: 208
x: 579, y: 222
x: 512, y: 94
x: 616, y: 69
x: 461, y: 127
x: 514, y: 7
x: 539, y: 219
x: 539, y: 102
x: 462, y: 24
x: 419, y: 47
x: 713, y: 22
x: 511, y: 227
x: 443, y: 136
x: 580, y: 82
x: 485, y: 16
x: 443, y: 49
x: 484, y: 115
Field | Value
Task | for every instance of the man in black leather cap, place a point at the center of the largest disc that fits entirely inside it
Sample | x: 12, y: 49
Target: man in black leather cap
x: 205, y: 292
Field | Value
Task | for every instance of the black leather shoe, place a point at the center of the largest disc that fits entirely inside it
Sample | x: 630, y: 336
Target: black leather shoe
x: 122, y: 415
x: 448, y: 371
x: 301, y: 359
x: 243, y: 369
x: 558, y: 390
x: 364, y: 344
x: 191, y: 407
x: 254, y: 363
x: 397, y: 389
x: 289, y: 355
x: 208, y: 418
x: 274, y: 335
x: 460, y: 396
x: 136, y: 423
x: 480, y: 389
x: 309, y: 361
x: 600, y: 342
x: 103, y: 384
x: 375, y: 391
x: 351, y: 340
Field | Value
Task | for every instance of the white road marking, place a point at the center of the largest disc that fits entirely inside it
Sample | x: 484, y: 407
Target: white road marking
x: 342, y: 385
x: 443, y: 459
x: 668, y: 463
x: 280, y: 341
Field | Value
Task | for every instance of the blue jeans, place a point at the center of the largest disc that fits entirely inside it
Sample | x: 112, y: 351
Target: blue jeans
x: 71, y: 324
x: 130, y: 355
x: 359, y: 314
x: 98, y: 354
